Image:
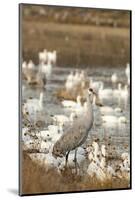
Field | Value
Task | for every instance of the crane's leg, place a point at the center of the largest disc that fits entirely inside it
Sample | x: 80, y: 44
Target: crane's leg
x: 75, y: 160
x: 67, y: 158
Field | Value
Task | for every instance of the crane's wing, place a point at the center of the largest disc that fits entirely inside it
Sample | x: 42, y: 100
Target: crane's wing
x: 72, y: 137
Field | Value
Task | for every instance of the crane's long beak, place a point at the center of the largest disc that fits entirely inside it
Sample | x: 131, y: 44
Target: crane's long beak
x: 91, y: 90
x: 95, y: 93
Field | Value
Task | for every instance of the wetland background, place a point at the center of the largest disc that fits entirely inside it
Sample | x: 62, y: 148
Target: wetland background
x: 92, y: 39
x: 81, y: 36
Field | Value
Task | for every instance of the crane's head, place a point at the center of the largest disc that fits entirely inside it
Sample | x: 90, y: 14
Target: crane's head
x: 57, y: 151
x: 90, y: 90
x: 93, y: 94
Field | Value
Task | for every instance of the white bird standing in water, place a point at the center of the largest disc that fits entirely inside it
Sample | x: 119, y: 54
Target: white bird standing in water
x: 32, y: 107
x: 114, y: 78
x: 96, y: 85
x: 116, y: 92
x: 24, y: 69
x: 46, y: 68
x: 31, y: 65
x: 69, y: 81
x: 63, y: 119
x: 24, y: 64
x: 82, y: 75
x: 105, y: 93
x: 77, y: 133
x: 124, y: 95
x: 37, y: 103
x: 43, y: 56
x: 71, y: 104
x: 127, y: 72
x: 52, y: 57
x: 124, y: 92
x: 77, y: 78
x: 33, y: 74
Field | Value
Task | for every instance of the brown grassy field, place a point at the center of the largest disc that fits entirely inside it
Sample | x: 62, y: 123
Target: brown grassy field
x: 77, y: 45
x: 36, y: 179
x: 82, y: 37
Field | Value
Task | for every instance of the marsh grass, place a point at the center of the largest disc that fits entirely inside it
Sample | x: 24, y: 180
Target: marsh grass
x: 76, y: 45
x: 37, y: 179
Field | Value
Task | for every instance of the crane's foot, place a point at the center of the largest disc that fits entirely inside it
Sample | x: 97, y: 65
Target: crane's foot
x: 75, y: 161
x: 76, y: 168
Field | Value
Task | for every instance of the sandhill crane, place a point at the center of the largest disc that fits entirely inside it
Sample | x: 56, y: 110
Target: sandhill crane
x: 77, y: 133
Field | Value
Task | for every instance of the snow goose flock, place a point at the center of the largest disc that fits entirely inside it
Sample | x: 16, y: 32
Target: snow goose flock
x: 62, y: 142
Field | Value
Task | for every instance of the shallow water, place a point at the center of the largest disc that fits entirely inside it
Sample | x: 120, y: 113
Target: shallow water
x: 120, y: 135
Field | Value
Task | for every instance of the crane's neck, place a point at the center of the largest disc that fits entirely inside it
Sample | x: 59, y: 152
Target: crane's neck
x: 89, y: 101
x: 89, y: 109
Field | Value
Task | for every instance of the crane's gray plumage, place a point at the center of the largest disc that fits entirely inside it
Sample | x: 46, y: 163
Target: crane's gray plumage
x: 76, y: 134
